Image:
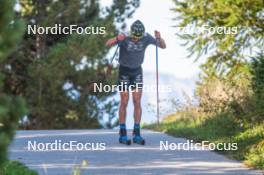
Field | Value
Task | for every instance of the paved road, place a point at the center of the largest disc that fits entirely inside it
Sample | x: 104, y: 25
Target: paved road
x: 118, y: 159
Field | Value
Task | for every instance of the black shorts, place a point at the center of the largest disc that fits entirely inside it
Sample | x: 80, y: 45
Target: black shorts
x: 130, y: 78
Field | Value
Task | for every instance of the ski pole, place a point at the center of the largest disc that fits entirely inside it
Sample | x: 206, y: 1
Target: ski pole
x: 110, y: 64
x: 157, y: 82
x: 114, y: 55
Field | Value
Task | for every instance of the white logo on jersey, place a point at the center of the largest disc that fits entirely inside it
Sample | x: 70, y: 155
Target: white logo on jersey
x: 131, y: 46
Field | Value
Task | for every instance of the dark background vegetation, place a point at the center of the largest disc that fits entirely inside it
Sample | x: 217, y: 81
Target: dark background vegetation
x: 35, y: 69
x: 230, y: 90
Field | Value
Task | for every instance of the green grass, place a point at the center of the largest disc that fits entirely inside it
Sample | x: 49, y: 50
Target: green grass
x: 222, y: 128
x: 16, y: 168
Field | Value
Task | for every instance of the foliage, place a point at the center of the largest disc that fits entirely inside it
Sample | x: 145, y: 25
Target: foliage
x: 258, y: 85
x: 258, y: 72
x: 11, y: 107
x: 77, y: 169
x: 228, y: 50
x: 218, y: 128
x: 16, y: 168
x: 255, y: 156
x: 56, y: 73
x: 229, y: 80
x: 226, y: 94
x: 231, y: 85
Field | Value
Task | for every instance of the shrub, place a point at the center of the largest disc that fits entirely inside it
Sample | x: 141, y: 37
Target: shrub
x: 16, y: 168
x: 258, y: 88
x: 11, y: 107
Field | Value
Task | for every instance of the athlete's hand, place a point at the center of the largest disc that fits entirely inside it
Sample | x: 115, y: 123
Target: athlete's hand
x: 113, y: 41
x: 157, y: 34
x: 161, y: 41
x: 120, y: 37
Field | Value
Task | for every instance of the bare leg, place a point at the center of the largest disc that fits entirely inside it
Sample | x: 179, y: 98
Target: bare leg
x: 122, y: 108
x: 137, y: 105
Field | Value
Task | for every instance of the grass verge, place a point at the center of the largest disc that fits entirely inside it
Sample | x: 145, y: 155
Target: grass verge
x: 221, y: 128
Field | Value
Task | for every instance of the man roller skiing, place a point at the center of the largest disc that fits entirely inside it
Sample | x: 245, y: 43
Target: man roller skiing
x: 130, y: 78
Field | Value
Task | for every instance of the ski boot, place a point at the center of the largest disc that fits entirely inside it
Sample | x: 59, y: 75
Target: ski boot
x: 123, y: 137
x: 137, y: 138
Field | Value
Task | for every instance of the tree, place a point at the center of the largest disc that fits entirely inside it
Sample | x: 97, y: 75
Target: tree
x: 54, y: 73
x: 231, y: 34
x: 258, y: 88
x: 242, y: 21
x: 11, y: 107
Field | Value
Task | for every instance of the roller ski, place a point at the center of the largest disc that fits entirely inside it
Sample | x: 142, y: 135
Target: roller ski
x: 137, y: 138
x: 123, y: 137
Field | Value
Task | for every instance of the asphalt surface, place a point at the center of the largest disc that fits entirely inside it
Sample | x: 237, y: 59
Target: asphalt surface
x: 114, y: 158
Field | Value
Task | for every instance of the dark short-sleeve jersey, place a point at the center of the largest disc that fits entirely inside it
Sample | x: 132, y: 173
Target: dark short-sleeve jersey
x: 131, y: 54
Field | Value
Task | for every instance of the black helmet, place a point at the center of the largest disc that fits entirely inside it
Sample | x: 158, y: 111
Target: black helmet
x: 137, y: 29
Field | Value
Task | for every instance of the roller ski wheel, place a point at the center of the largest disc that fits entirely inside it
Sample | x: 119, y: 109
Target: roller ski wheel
x: 126, y: 142
x: 137, y: 137
x: 139, y: 140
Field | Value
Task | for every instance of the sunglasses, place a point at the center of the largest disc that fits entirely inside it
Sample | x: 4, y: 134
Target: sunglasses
x: 136, y: 37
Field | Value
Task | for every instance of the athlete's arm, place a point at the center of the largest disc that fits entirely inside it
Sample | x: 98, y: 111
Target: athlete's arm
x: 161, y: 41
x: 113, y: 41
